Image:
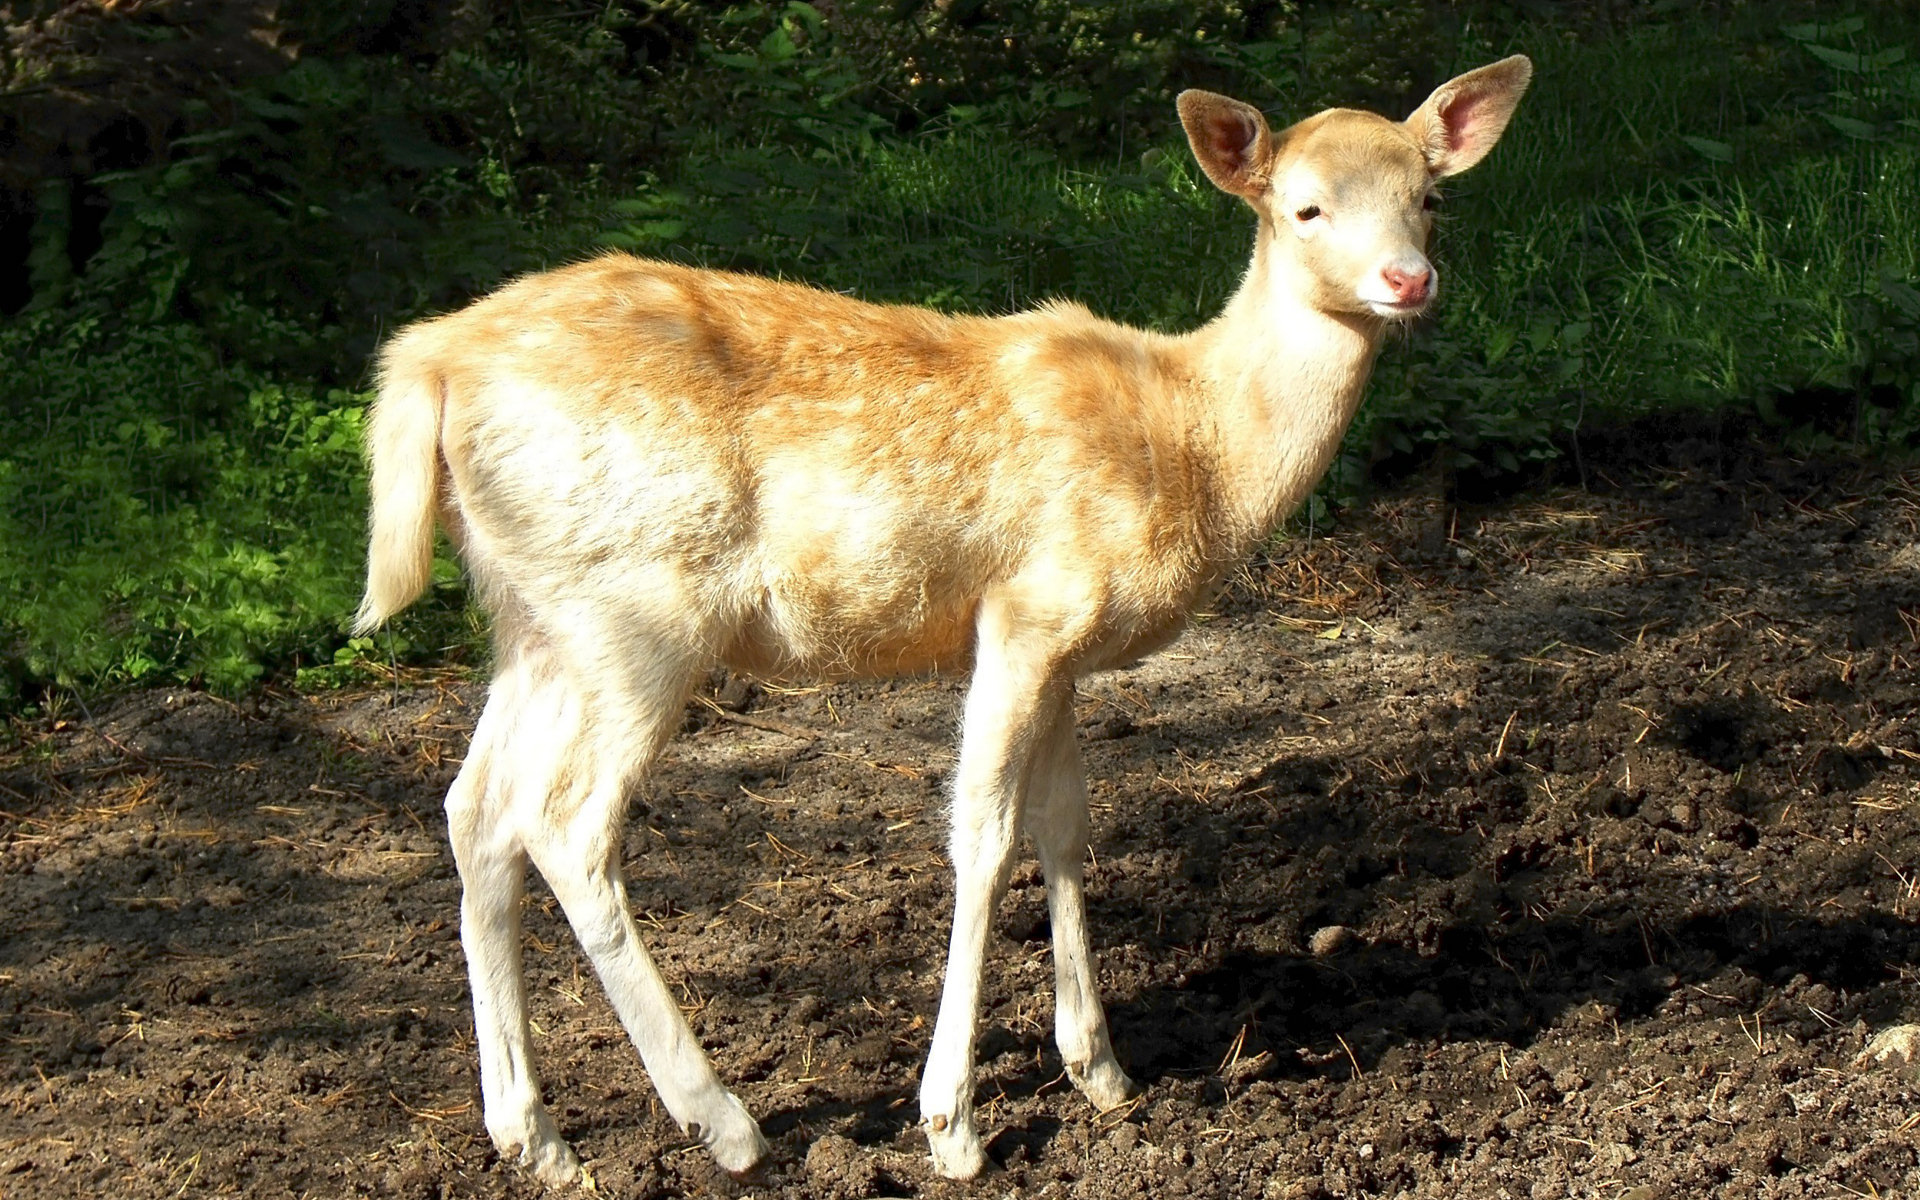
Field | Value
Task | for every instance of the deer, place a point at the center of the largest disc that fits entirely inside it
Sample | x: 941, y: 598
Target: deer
x: 650, y: 471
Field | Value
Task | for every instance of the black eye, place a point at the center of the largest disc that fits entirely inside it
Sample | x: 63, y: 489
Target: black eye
x: 1431, y: 202
x: 1308, y: 213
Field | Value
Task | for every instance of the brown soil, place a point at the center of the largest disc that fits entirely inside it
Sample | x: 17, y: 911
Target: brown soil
x: 1565, y: 846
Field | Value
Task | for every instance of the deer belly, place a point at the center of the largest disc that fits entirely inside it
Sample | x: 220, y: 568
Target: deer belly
x: 817, y: 626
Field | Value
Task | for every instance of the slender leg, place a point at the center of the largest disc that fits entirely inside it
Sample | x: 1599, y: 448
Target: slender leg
x: 575, y: 842
x: 582, y: 867
x: 492, y: 879
x: 1005, y: 711
x: 1056, y: 817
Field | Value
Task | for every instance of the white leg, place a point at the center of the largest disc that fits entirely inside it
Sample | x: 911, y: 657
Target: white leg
x: 546, y: 778
x: 493, y: 878
x: 1056, y: 817
x: 1006, y: 707
x: 581, y: 863
x: 575, y: 842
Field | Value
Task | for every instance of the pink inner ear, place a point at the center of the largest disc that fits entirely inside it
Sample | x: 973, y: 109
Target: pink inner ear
x: 1460, y: 117
x: 1232, y: 136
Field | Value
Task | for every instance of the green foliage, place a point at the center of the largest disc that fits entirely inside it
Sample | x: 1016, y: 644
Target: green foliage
x: 1706, y: 236
x: 967, y: 220
x: 145, y: 540
x: 180, y: 484
x: 321, y: 210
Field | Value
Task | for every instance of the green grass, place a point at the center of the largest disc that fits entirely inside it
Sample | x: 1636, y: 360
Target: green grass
x: 1685, y: 217
x: 142, y: 541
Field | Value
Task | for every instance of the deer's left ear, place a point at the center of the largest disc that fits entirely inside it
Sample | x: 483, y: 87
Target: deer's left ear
x: 1230, y: 140
x: 1465, y: 116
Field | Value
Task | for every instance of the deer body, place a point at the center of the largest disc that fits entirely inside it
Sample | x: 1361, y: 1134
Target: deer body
x: 829, y: 516
x: 650, y: 470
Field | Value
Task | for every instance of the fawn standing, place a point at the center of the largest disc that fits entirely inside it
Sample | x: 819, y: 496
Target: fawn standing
x: 650, y: 470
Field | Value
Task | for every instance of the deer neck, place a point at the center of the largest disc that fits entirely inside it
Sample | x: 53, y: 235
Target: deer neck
x: 1280, y: 379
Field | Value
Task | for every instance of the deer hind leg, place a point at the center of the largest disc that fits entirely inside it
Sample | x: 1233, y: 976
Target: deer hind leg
x: 1006, y: 710
x: 1056, y: 818
x: 601, y: 737
x: 492, y: 865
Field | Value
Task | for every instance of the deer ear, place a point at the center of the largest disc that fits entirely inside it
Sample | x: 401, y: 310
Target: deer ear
x: 1230, y: 139
x: 1465, y: 117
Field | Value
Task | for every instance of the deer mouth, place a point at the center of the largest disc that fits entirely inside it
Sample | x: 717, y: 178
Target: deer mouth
x: 1400, y: 310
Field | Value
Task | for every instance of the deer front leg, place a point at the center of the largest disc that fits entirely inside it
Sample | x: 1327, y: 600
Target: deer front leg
x: 1056, y: 817
x: 1006, y: 710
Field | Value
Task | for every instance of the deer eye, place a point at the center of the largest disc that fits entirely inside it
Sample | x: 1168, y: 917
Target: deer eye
x: 1308, y: 213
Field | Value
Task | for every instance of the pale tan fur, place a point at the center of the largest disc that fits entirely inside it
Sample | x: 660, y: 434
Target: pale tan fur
x: 650, y: 470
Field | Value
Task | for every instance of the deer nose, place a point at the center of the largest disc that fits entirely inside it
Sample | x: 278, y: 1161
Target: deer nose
x: 1409, y: 287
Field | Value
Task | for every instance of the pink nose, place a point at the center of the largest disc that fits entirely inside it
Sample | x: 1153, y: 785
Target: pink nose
x: 1409, y: 287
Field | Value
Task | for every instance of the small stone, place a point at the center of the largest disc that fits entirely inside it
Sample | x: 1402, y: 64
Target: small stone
x: 1329, y: 940
x: 1899, y: 1042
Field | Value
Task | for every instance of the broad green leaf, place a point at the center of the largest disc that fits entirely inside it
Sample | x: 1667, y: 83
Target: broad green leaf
x: 1499, y: 342
x: 1708, y: 148
x: 807, y: 15
x: 1841, y: 28
x: 1849, y: 126
x: 1839, y: 60
x: 1903, y: 295
x: 642, y: 235
x: 779, y: 46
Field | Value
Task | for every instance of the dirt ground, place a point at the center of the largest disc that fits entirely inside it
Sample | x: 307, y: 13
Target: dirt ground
x: 1561, y: 845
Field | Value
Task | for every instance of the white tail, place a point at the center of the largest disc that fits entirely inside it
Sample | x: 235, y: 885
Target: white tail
x: 403, y: 452
x: 650, y: 470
